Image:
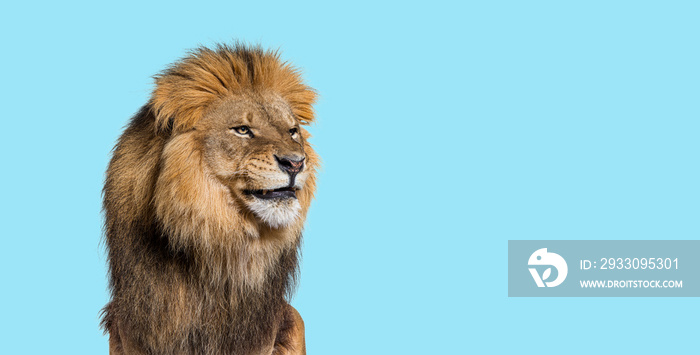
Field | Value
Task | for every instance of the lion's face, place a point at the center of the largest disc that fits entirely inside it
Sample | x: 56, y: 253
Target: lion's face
x: 255, y: 147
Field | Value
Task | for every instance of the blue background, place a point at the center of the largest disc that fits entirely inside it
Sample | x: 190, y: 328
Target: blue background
x: 446, y: 129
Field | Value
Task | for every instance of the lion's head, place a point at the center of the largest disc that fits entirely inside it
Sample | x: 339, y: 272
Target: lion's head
x: 219, y: 158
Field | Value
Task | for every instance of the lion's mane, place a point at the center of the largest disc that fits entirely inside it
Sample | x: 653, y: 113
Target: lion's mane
x: 189, y: 273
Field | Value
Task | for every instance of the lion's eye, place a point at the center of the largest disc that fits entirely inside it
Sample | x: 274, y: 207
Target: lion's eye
x: 294, y: 132
x: 243, y: 131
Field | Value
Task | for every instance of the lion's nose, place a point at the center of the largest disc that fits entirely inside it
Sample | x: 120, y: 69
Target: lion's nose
x: 292, y: 165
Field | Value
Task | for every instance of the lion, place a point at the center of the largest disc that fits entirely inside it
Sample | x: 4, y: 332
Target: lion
x: 205, y: 198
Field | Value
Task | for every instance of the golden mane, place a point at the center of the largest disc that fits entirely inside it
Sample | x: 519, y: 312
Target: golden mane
x: 190, y: 86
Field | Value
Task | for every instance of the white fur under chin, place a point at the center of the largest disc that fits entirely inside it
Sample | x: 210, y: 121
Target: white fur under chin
x: 276, y: 213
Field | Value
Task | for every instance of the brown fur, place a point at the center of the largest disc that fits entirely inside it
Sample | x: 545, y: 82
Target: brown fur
x: 192, y: 269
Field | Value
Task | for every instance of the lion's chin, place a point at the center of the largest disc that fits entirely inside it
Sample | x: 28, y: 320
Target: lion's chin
x: 277, y: 213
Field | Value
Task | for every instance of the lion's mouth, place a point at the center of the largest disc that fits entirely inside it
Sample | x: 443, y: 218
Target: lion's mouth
x: 284, y: 192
